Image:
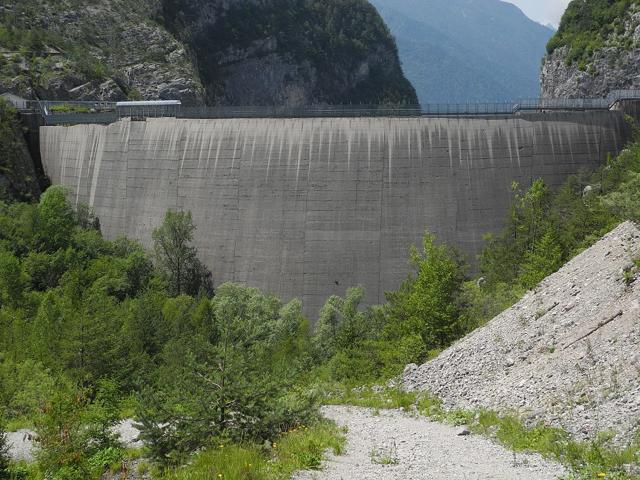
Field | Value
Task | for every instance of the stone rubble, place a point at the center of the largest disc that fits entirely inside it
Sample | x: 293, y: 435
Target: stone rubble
x: 567, y: 354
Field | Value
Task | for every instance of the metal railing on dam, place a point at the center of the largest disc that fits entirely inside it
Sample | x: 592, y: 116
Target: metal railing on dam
x: 73, y: 113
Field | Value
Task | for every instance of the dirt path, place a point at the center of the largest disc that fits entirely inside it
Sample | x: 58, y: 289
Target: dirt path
x: 392, y: 445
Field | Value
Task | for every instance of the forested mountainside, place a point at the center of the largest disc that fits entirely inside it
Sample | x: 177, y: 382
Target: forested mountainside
x: 466, y: 50
x: 291, y: 52
x: 596, y: 50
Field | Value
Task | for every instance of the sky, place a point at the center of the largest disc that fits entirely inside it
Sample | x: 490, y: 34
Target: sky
x: 542, y: 11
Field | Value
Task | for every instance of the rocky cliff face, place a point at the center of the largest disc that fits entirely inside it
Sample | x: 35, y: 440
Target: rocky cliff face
x: 18, y: 177
x: 290, y: 52
x: 86, y: 50
x: 610, y: 61
x: 248, y: 52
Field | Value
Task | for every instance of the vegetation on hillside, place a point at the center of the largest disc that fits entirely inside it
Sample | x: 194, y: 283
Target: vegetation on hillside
x: 587, y: 25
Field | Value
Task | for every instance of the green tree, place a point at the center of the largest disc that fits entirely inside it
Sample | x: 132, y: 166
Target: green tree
x: 624, y: 202
x: 177, y: 258
x: 340, y: 324
x: 542, y: 261
x: 73, y: 427
x: 56, y: 219
x: 527, y: 221
x: 236, y: 386
x: 427, y: 303
x: 12, y: 280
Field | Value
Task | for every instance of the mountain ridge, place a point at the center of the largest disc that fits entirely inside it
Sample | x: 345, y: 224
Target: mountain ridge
x: 466, y: 50
x: 220, y: 52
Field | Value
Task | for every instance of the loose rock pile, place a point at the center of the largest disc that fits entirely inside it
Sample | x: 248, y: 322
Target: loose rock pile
x: 567, y: 354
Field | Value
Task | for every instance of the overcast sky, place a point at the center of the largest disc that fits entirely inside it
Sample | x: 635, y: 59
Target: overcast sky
x: 543, y: 11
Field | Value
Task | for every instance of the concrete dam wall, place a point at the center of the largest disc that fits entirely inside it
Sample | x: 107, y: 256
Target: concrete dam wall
x: 308, y: 207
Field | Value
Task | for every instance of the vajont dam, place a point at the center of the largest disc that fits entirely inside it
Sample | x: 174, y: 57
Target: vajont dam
x: 307, y: 204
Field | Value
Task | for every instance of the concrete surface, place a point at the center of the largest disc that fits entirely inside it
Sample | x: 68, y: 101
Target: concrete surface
x: 309, y: 207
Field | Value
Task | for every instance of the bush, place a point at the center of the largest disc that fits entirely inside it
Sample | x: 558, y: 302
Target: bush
x: 24, y: 388
x: 4, y: 454
x: 428, y: 302
x: 74, y: 432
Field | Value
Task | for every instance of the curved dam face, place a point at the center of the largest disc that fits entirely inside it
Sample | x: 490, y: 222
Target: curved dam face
x: 308, y: 207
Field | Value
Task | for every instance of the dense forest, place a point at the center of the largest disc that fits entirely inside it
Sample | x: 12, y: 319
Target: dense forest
x: 227, y: 383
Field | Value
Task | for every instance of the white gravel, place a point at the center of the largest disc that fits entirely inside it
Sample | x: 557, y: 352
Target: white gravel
x: 22, y: 443
x: 421, y: 449
x: 566, y: 355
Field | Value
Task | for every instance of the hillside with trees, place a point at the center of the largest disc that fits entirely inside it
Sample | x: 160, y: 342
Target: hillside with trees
x: 595, y: 50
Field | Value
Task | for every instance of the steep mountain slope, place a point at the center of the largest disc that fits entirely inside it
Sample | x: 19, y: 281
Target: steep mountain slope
x: 18, y: 176
x: 596, y: 50
x: 85, y: 50
x: 566, y: 354
x: 291, y: 52
x: 466, y: 50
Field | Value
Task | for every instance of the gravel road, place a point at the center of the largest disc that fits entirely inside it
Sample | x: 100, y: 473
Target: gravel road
x: 393, y: 445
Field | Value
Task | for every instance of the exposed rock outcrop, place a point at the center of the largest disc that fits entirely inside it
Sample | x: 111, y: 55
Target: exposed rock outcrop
x: 108, y: 50
x: 290, y: 52
x: 18, y: 177
x: 616, y: 65
x: 566, y: 354
x: 283, y: 52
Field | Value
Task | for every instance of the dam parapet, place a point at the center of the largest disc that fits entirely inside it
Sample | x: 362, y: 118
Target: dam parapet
x: 76, y: 112
x: 307, y: 207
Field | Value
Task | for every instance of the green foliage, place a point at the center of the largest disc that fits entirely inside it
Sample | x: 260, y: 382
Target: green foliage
x: 587, y: 25
x: 301, y: 448
x: 545, y: 230
x: 4, y: 453
x: 55, y: 220
x: 339, y: 323
x: 235, y: 384
x: 74, y: 431
x: 427, y: 303
x: 24, y: 387
x: 177, y: 258
x: 544, y: 258
x: 377, y: 398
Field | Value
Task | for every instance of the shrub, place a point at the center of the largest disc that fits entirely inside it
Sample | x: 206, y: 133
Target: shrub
x: 4, y: 454
x: 74, y: 431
